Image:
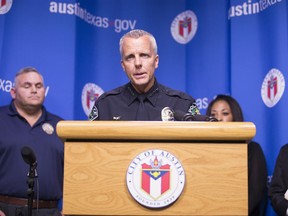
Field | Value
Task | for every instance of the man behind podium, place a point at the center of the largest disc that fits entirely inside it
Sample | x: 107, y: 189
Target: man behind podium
x: 143, y: 98
x: 26, y: 122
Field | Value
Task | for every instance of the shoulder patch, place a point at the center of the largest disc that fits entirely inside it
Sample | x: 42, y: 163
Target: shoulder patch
x: 93, y: 114
x: 193, y: 109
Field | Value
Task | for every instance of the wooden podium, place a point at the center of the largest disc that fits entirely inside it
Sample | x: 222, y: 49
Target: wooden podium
x: 97, y: 156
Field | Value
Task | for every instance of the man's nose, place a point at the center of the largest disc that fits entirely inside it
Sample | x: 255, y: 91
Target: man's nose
x: 138, y: 62
x: 33, y: 89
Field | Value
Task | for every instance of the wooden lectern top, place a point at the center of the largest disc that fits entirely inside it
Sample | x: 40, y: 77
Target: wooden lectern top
x: 156, y: 130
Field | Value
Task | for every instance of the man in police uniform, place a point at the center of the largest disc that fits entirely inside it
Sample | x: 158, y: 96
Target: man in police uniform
x: 143, y: 98
x: 26, y: 122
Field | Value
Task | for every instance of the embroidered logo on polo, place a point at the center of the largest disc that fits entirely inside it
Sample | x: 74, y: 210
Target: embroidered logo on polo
x: 155, y: 178
x: 48, y: 128
x: 272, y: 87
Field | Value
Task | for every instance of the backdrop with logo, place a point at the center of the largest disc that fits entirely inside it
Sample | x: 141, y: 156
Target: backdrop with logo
x: 236, y: 47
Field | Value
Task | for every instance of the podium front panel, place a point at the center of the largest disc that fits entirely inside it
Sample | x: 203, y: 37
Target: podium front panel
x: 95, y: 177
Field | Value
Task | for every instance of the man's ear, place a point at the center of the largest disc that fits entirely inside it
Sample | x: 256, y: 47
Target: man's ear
x: 156, y: 61
x: 122, y: 65
x: 13, y: 93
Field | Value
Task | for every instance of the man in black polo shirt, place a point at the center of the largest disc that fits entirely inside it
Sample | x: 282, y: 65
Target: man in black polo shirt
x: 26, y: 122
x: 143, y: 98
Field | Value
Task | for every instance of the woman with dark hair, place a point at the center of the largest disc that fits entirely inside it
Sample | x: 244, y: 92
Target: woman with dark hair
x: 233, y: 108
x: 225, y: 108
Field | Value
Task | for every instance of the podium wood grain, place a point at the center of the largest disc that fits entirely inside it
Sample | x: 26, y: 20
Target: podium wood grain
x: 96, y: 164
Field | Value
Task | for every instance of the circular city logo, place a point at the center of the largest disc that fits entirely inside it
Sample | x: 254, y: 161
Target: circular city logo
x: 272, y: 87
x: 5, y: 6
x: 184, y: 27
x: 90, y: 94
x: 155, y: 178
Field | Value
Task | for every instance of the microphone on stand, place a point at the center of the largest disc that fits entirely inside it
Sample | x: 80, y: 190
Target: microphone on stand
x: 28, y: 155
x: 30, y: 158
x: 204, y: 118
x: 182, y: 116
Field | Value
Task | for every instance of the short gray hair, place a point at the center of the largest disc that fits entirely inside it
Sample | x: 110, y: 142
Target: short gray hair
x: 137, y: 33
x: 26, y: 70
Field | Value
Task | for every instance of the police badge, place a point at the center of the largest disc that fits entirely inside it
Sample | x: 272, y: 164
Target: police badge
x: 167, y: 114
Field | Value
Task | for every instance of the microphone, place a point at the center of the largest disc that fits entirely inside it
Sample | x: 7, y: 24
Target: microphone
x: 30, y: 158
x: 167, y: 114
x: 28, y: 155
x: 182, y: 116
x: 204, y: 118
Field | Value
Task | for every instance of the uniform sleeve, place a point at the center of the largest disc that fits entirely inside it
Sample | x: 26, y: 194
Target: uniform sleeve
x: 278, y: 185
x: 94, y: 114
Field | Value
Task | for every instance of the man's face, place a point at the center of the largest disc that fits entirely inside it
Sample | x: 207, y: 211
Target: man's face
x: 139, y: 61
x: 29, y: 90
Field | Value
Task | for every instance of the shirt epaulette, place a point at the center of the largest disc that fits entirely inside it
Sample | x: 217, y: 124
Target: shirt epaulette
x: 175, y: 93
x: 111, y: 92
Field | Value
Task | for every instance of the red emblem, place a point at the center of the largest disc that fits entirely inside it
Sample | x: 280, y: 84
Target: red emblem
x: 272, y: 87
x: 155, y: 178
x: 185, y: 24
x: 91, y: 96
x: 2, y: 3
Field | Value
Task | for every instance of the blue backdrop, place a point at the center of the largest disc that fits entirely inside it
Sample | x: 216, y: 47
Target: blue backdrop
x: 206, y: 47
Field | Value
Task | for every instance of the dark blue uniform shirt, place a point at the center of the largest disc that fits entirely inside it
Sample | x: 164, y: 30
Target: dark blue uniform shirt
x: 122, y: 103
x: 16, y: 132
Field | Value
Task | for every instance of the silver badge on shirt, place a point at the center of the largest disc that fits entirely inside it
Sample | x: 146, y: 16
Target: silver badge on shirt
x: 167, y: 114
